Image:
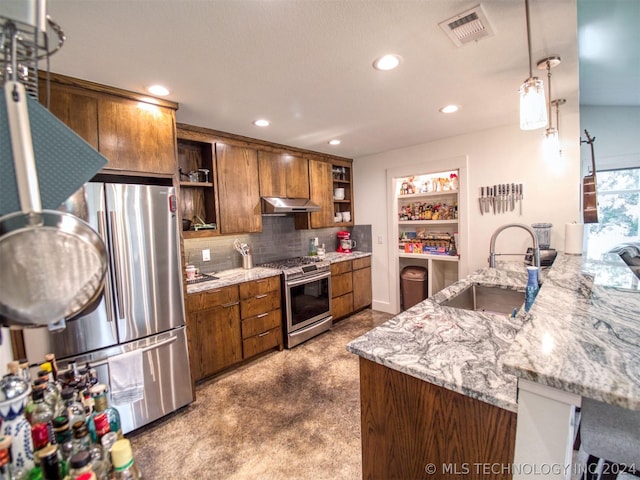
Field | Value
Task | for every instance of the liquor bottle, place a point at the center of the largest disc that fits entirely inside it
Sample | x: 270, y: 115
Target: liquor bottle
x: 124, y: 468
x: 532, y: 287
x: 41, y: 412
x: 51, y: 358
x: 82, y: 443
x: 63, y: 435
x: 71, y: 406
x: 50, y: 464
x: 80, y: 463
x: 99, y: 395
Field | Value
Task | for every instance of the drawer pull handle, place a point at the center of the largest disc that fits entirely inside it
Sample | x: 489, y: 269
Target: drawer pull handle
x: 262, y: 315
x: 231, y: 304
x: 209, y: 292
x: 265, y: 333
x: 261, y: 296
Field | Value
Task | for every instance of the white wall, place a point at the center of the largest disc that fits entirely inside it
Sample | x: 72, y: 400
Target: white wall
x: 500, y: 155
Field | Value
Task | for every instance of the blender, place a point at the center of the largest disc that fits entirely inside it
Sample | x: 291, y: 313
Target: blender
x: 345, y: 244
x: 547, y: 254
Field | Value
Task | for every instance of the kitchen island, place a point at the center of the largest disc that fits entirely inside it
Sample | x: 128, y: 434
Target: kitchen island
x: 439, y: 385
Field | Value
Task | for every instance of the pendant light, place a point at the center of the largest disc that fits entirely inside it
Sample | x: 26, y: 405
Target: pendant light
x: 551, y: 142
x: 533, y: 112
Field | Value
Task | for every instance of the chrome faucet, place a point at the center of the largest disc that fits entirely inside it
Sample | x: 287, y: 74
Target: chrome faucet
x: 492, y: 247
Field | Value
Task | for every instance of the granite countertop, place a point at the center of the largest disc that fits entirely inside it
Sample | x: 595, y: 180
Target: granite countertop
x: 457, y: 349
x: 584, y: 333
x: 239, y: 275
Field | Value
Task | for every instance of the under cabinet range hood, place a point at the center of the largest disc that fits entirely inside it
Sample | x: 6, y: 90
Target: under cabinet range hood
x: 282, y: 206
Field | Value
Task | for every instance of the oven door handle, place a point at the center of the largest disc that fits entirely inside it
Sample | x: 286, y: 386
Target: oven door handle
x: 305, y: 280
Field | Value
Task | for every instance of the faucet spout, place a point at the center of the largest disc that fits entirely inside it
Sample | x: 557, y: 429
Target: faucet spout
x: 494, y: 236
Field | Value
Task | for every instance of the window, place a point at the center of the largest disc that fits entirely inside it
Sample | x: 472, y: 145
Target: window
x: 618, y: 211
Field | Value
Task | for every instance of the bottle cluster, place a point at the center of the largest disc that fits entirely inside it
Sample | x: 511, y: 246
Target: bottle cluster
x: 64, y: 429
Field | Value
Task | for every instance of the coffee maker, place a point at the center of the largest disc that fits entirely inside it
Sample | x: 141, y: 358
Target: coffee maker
x: 345, y: 244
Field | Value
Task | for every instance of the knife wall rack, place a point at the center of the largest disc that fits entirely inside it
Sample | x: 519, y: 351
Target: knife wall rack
x: 501, y: 198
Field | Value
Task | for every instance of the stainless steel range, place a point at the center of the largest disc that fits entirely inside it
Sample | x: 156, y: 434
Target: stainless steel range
x: 306, y: 282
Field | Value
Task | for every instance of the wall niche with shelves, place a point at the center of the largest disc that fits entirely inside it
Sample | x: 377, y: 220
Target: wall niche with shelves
x: 197, y: 193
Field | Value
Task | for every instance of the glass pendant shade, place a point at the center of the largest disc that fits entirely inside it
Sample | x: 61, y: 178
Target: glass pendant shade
x: 551, y: 145
x: 533, y: 108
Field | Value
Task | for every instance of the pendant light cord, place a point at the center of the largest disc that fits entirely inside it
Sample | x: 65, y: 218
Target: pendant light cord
x: 526, y: 4
x: 549, y: 80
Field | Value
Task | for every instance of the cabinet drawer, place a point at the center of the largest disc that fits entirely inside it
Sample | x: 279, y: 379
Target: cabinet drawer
x: 363, y: 262
x: 265, y: 302
x: 341, y: 284
x: 342, y: 306
x: 259, y: 287
x: 340, y: 267
x: 262, y: 342
x: 261, y: 323
x: 197, y: 302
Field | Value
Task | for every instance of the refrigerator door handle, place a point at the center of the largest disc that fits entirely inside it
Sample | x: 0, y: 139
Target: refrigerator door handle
x: 145, y: 349
x: 116, y: 262
x: 102, y: 230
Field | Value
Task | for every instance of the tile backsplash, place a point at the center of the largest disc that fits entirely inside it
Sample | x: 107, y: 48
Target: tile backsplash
x: 279, y: 239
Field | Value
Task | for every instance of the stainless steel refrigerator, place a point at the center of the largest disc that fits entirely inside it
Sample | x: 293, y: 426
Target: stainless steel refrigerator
x: 142, y: 305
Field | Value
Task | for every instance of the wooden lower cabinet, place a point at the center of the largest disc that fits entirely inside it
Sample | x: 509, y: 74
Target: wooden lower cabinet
x: 408, y: 424
x: 350, y: 286
x: 213, y: 331
x: 261, y: 315
x: 229, y: 324
x: 362, y: 293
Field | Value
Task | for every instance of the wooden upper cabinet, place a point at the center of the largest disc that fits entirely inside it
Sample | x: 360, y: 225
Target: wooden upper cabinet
x: 75, y: 109
x: 283, y: 175
x: 137, y: 136
x: 134, y: 133
x: 238, y: 189
x: 321, y: 190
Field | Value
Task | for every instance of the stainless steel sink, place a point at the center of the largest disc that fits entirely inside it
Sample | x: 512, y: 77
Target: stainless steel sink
x: 483, y: 298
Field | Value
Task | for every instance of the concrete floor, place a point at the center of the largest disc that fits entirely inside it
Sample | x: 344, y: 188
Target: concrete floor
x: 286, y: 415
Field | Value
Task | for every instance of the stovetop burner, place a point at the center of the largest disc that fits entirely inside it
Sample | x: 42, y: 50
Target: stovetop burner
x: 299, y: 266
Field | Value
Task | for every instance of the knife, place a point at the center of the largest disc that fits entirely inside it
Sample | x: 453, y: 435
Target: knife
x: 481, y: 200
x: 505, y: 201
x: 513, y: 196
x: 494, y: 199
x: 488, y: 199
x: 520, y: 197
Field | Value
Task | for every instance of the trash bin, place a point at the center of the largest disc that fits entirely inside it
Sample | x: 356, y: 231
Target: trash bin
x: 413, y: 286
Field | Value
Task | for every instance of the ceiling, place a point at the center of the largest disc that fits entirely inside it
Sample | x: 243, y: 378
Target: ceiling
x: 306, y: 65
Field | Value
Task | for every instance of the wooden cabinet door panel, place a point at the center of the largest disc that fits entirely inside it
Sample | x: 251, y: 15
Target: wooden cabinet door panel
x: 283, y: 175
x: 341, y: 267
x: 321, y: 192
x: 238, y: 189
x: 262, y: 303
x: 197, y: 302
x: 76, y: 110
x: 262, y: 342
x: 363, y: 262
x: 137, y: 136
x: 261, y: 323
x: 362, y: 296
x: 341, y: 284
x: 218, y: 340
x: 297, y: 176
x: 342, y: 306
x: 258, y: 287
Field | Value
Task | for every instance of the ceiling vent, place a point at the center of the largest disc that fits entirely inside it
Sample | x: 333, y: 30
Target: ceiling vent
x: 468, y: 26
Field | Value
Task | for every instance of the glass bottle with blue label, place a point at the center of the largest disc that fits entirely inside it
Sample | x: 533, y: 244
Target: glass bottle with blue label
x: 532, y: 287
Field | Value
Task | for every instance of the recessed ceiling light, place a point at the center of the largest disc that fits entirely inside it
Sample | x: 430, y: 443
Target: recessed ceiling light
x: 158, y: 90
x: 262, y: 123
x: 387, y: 62
x: 449, y: 109
x: 335, y: 141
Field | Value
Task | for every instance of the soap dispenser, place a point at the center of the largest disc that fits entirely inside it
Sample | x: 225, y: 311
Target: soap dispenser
x: 532, y: 287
